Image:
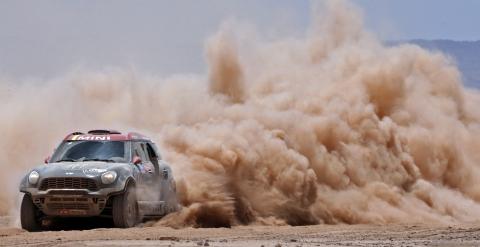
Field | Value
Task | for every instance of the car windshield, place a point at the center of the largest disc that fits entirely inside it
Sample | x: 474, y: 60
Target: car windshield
x: 108, y: 151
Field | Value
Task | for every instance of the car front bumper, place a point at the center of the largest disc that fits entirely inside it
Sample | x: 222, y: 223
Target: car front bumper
x: 71, y: 202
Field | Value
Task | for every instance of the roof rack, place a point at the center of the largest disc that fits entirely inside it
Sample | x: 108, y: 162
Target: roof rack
x: 103, y: 132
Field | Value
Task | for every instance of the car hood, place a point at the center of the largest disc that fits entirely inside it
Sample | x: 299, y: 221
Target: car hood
x: 80, y: 169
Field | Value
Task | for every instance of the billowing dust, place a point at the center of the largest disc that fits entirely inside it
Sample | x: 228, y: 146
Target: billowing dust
x: 331, y: 127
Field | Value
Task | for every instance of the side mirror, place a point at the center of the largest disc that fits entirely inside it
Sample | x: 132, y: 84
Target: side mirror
x: 137, y: 160
x: 47, y: 160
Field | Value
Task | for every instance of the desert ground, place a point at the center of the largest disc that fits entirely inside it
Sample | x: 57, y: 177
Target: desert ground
x: 317, y: 235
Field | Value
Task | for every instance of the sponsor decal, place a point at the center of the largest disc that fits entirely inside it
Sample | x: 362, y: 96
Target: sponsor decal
x: 86, y: 168
x: 92, y: 172
x: 74, y: 167
x: 72, y: 212
x: 90, y: 138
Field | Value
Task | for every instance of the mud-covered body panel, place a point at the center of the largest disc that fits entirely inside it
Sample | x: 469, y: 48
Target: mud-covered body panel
x: 91, y: 170
x: 77, y: 201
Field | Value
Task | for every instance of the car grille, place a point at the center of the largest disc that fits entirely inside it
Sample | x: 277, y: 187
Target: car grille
x: 59, y: 206
x: 69, y: 183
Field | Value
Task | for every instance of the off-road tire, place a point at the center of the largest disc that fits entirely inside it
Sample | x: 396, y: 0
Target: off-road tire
x: 29, y: 215
x: 125, y: 209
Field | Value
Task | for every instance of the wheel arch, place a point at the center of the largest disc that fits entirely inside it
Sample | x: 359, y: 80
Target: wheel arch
x: 129, y: 182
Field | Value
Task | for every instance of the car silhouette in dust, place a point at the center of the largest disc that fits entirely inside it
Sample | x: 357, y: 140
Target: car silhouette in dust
x: 99, y: 173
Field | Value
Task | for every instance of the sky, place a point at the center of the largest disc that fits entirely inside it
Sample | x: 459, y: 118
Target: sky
x: 48, y: 38
x: 423, y: 19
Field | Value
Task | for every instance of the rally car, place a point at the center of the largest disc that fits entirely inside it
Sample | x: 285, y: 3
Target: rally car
x: 99, y: 173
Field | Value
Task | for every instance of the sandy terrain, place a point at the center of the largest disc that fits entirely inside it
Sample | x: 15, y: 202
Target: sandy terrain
x: 318, y: 235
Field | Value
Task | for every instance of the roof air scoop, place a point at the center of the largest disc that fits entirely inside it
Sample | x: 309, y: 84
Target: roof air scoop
x: 103, y: 132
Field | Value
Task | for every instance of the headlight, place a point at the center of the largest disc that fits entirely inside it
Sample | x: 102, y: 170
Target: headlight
x: 33, y: 177
x: 109, y: 177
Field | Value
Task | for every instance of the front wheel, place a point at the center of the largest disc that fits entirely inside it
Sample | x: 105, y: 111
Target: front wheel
x: 125, y: 209
x: 30, y: 215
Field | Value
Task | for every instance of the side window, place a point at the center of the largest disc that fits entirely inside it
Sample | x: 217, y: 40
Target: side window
x: 151, y: 153
x: 139, y: 151
x: 145, y: 151
x: 153, y: 148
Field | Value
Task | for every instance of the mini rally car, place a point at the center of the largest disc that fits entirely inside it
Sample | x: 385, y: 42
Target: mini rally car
x: 101, y: 173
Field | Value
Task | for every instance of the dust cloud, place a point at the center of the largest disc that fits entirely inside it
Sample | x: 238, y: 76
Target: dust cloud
x: 331, y: 127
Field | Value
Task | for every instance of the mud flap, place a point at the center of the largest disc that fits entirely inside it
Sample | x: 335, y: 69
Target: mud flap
x: 152, y: 208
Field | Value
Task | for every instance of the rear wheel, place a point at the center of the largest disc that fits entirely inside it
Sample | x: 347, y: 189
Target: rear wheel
x: 30, y: 215
x: 125, y: 209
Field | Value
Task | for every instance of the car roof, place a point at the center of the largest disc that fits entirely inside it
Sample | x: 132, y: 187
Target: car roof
x: 105, y: 135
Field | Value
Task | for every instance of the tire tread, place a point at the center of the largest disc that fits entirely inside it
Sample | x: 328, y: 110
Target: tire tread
x: 118, y: 208
x: 28, y: 215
